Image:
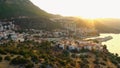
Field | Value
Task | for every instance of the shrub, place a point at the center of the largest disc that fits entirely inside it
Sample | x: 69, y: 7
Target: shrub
x: 85, y: 61
x: 96, y: 61
x: 102, y: 63
x: 105, y: 59
x: 8, y: 58
x: 2, y: 52
x: 29, y: 65
x: 35, y: 59
x: 1, y: 58
x: 19, y: 60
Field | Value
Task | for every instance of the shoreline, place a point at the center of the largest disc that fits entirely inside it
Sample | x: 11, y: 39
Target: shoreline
x: 98, y: 38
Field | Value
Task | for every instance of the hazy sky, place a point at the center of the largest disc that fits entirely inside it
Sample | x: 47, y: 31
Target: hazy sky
x: 82, y: 8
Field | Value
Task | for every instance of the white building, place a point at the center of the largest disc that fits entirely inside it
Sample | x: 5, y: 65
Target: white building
x: 20, y: 39
x: 71, y: 47
x: 14, y: 37
x: 62, y: 46
x: 1, y: 27
x: 79, y: 48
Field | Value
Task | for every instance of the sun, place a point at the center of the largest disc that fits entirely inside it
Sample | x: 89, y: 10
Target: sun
x: 90, y: 17
x: 87, y: 18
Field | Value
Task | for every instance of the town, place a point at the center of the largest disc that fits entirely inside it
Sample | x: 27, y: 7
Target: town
x: 61, y: 38
x: 59, y: 34
x: 34, y: 47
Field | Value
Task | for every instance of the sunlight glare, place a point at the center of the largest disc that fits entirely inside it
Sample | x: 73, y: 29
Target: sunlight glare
x: 84, y: 8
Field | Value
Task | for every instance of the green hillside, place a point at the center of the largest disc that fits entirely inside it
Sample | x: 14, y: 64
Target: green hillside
x: 28, y: 16
x: 25, y: 14
x: 16, y: 8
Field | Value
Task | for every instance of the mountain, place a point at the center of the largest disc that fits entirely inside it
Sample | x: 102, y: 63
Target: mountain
x: 108, y: 25
x: 17, y: 8
x: 26, y: 15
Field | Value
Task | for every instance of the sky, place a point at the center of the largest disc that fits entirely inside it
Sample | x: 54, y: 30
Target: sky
x: 82, y: 8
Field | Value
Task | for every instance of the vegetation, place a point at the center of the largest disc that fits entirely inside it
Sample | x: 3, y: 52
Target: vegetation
x: 107, y: 26
x: 1, y: 58
x: 8, y: 58
x: 29, y: 53
x: 15, y: 8
x: 19, y: 60
x: 26, y: 15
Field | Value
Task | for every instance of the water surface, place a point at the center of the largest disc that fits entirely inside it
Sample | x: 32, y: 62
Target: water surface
x: 113, y: 45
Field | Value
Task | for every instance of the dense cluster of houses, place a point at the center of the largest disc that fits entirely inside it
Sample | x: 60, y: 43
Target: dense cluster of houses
x: 50, y: 34
x: 7, y: 32
x: 60, y: 36
x: 6, y: 26
x: 79, y: 44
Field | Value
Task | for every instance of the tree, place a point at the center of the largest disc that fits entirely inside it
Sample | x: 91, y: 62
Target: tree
x: 1, y: 58
x: 86, y: 66
x: 29, y: 65
x: 96, y: 61
x: 116, y: 55
x: 66, y: 53
x: 85, y: 61
x: 2, y: 52
x: 19, y: 60
x: 8, y: 58
x: 96, y: 41
x: 35, y: 59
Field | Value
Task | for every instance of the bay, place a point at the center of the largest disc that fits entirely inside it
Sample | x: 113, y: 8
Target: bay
x: 113, y: 45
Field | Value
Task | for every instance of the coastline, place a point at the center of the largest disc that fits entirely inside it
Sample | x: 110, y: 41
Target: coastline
x: 100, y: 38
